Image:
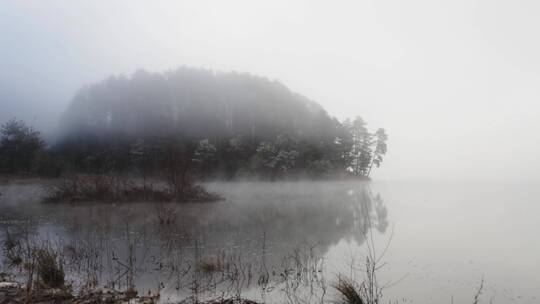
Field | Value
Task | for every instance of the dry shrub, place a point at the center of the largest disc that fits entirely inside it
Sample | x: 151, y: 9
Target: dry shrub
x: 209, y: 265
x: 49, y: 268
x: 184, y: 187
x: 40, y: 265
x: 166, y: 214
x: 103, y: 188
x: 11, y: 251
x: 348, y: 292
x: 85, y: 188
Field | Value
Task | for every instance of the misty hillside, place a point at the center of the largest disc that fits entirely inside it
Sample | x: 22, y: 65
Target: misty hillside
x: 192, y: 103
x: 221, y: 124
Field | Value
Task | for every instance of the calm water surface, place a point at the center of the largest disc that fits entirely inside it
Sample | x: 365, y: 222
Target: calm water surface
x: 435, y: 241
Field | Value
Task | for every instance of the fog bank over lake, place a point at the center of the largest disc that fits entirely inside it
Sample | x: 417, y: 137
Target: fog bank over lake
x: 443, y: 237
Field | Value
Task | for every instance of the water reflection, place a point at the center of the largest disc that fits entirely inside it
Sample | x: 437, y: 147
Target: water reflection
x: 265, y: 236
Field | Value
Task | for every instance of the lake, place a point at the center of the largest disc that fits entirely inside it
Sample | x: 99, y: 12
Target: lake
x: 289, y: 242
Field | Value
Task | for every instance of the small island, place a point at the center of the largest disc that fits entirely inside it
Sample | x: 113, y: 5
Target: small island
x: 156, y: 136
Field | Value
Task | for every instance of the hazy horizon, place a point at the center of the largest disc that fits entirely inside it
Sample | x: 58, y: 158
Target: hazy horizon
x: 453, y: 83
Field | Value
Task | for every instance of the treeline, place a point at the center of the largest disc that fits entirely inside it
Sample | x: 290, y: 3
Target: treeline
x: 195, y: 122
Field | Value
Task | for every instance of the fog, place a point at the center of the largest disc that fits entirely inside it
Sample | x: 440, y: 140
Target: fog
x: 454, y: 83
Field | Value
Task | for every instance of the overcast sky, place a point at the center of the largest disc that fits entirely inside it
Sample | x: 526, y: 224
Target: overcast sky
x: 455, y: 83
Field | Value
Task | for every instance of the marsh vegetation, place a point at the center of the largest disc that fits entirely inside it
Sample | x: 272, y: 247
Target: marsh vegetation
x: 189, y: 252
x: 295, y: 242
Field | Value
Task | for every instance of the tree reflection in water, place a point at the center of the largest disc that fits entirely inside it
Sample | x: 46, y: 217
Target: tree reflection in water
x: 266, y: 240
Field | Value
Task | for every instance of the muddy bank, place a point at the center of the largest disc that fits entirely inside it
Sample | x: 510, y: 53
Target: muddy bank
x: 12, y: 292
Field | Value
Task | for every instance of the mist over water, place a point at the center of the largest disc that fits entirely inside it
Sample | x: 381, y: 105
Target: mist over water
x: 442, y: 238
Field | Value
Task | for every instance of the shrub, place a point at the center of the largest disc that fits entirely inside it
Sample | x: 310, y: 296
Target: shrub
x: 49, y: 269
x: 102, y: 188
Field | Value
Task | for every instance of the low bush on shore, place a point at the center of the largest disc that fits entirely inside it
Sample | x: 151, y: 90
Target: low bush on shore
x: 102, y: 188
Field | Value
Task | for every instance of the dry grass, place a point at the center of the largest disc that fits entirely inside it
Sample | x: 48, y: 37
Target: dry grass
x: 38, y: 263
x: 348, y: 292
x: 479, y: 292
x: 49, y: 268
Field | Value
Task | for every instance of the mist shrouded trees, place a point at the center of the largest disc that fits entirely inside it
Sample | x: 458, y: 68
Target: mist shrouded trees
x: 20, y: 147
x: 217, y: 125
x: 367, y: 149
x: 380, y: 148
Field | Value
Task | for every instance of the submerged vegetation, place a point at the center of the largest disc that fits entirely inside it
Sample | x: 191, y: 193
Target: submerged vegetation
x: 183, y: 254
x: 160, y: 262
x: 203, y: 253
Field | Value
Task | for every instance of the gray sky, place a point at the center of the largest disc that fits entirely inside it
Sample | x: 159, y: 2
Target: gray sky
x: 455, y: 82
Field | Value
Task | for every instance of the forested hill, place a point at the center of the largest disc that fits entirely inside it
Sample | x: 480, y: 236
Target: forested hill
x: 218, y: 124
x: 193, y: 103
